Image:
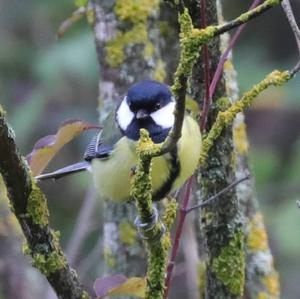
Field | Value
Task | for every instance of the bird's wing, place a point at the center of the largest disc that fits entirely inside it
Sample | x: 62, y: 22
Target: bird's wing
x: 57, y: 174
x: 103, y: 143
x: 100, y: 147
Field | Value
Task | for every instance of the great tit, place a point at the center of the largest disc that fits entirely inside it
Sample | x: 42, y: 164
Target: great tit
x: 111, y: 155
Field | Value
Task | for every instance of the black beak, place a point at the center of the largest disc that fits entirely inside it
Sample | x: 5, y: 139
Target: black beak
x: 141, y: 114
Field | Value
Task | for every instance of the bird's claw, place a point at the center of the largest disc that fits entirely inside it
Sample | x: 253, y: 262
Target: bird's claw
x: 142, y: 228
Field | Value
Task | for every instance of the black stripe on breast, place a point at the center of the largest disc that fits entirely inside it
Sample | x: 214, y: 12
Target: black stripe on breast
x: 174, y: 173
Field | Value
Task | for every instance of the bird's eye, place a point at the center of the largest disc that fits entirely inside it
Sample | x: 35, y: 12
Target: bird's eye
x: 157, y: 106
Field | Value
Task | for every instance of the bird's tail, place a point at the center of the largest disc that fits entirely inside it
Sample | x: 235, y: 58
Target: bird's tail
x: 74, y: 168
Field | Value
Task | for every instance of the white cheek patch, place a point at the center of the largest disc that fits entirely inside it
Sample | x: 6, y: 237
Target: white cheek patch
x: 124, y: 115
x: 164, y: 117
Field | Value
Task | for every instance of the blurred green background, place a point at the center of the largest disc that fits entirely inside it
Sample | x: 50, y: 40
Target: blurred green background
x: 45, y: 80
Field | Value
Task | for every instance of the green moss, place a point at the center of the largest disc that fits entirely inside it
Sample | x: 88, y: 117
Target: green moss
x: 272, y: 287
x: 271, y: 282
x: 127, y: 233
x: 229, y: 266
x: 202, y: 278
x: 25, y: 248
x: 225, y: 118
x: 55, y: 238
x: 223, y: 103
x: 109, y: 258
x: 148, y: 49
x: 191, y: 41
x: 170, y: 213
x: 37, y: 206
x: 115, y: 48
x: 85, y: 295
x: 164, y: 29
x: 240, y: 139
x: 257, y: 239
x: 157, y: 244
x: 160, y: 71
x: 2, y: 112
x: 245, y: 16
x: 135, y: 11
x: 49, y: 264
x: 263, y: 295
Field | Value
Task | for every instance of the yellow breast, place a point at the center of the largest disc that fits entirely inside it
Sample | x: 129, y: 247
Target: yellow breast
x: 112, y: 176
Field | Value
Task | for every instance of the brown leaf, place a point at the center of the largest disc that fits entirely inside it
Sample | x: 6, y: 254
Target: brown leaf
x: 47, y: 147
x: 117, y: 285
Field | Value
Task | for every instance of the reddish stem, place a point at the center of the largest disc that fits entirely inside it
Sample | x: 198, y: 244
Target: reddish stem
x: 219, y: 70
x: 209, y: 92
x: 179, y: 227
x: 207, y: 100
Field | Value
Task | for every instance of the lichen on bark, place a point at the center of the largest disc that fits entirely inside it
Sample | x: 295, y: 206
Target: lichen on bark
x: 229, y: 266
x: 30, y: 207
x: 37, y: 206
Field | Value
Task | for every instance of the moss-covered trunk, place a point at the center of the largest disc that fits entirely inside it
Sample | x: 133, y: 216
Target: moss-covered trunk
x: 221, y: 222
x: 229, y: 226
x: 126, y: 36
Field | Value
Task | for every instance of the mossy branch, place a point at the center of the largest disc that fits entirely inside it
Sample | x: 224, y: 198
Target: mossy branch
x: 153, y: 231
x: 30, y: 207
x: 191, y: 42
x: 276, y: 78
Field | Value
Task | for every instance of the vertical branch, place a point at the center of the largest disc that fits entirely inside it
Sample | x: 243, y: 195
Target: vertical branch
x: 177, y: 237
x: 259, y: 276
x: 206, y: 76
x: 220, y: 222
x: 29, y: 205
x: 150, y: 227
x: 226, y: 52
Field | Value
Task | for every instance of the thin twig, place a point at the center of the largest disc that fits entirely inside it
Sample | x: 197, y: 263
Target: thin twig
x: 91, y: 259
x: 175, y: 133
x: 287, y: 8
x: 296, y: 69
x: 82, y: 226
x: 66, y: 24
x: 178, y: 232
x: 212, y: 198
x: 231, y: 44
x: 246, y: 17
x: 286, y: 5
x: 207, y: 99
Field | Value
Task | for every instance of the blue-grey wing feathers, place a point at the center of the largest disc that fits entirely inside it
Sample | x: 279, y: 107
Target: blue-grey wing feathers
x: 97, y: 149
x: 77, y: 167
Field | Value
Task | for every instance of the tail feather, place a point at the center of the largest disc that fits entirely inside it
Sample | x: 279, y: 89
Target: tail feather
x: 74, y: 168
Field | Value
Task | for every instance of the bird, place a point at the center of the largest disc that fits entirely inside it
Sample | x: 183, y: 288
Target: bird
x: 111, y: 154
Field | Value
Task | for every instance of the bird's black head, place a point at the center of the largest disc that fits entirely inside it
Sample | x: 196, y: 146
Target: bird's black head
x: 150, y: 105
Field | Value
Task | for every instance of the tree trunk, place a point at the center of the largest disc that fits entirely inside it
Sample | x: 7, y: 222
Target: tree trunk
x: 127, y: 42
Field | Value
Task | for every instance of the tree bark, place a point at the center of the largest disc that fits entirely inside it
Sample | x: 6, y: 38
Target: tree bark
x: 235, y: 215
x: 262, y: 279
x: 30, y: 207
x: 127, y: 44
x: 221, y: 222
